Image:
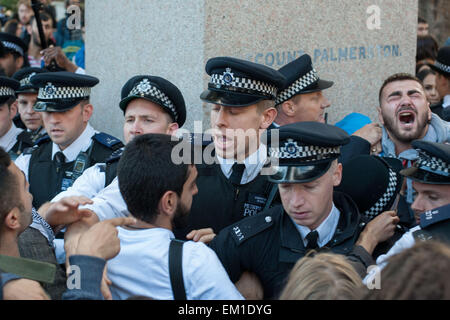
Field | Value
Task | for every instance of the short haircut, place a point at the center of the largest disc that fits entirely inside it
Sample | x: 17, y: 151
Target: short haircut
x: 43, y: 15
x: 9, y: 185
x: 8, y: 101
x: 398, y: 77
x: 146, y: 172
x: 421, y: 20
x: 265, y: 104
x: 323, y: 276
x: 417, y: 273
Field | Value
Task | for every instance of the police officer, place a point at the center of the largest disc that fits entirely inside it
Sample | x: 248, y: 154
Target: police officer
x: 150, y: 104
x: 14, y: 54
x: 302, y: 99
x: 311, y: 215
x: 442, y: 67
x: 431, y: 182
x: 241, y: 95
x: 27, y: 118
x: 72, y: 145
x: 14, y: 140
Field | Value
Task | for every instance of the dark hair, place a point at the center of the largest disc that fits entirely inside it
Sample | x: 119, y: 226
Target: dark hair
x: 43, y: 15
x: 11, y: 26
x: 418, y: 273
x: 8, y: 186
x: 427, y: 48
x: 398, y: 77
x: 146, y: 171
x: 424, y: 73
x: 421, y: 20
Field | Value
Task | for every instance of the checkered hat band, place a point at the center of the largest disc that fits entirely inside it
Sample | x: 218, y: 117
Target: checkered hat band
x: 11, y: 45
x: 307, y: 153
x: 154, y: 92
x: 433, y: 164
x: 380, y: 206
x: 441, y: 66
x: 6, y: 91
x: 243, y: 83
x: 64, y: 93
x: 297, y: 86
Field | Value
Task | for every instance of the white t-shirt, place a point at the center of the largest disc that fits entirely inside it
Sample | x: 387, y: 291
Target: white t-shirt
x: 142, y: 268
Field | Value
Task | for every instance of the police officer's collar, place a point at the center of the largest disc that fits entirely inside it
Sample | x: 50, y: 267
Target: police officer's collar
x: 253, y: 162
x: 82, y: 143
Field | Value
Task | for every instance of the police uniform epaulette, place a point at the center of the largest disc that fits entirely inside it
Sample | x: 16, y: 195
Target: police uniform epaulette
x: 108, y: 140
x: 249, y: 227
x: 115, y: 156
x: 434, y: 216
x: 42, y: 140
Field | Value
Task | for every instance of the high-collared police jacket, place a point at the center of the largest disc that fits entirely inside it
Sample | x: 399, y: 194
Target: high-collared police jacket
x: 47, y: 179
x: 269, y: 244
x: 219, y: 203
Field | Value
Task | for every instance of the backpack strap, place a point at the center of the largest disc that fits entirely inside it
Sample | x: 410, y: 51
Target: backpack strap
x: 176, y: 269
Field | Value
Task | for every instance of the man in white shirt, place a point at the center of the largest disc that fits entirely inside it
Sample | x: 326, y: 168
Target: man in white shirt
x: 159, y: 194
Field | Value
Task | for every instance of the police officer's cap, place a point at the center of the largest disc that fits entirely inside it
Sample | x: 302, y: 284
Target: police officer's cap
x: 8, y: 88
x: 61, y: 91
x: 157, y: 90
x: 442, y: 62
x: 301, y: 77
x: 11, y: 43
x: 24, y: 76
x: 432, y: 165
x: 372, y: 182
x: 239, y: 83
x: 305, y: 150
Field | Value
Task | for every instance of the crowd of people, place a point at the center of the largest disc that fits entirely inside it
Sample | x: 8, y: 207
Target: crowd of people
x: 289, y: 208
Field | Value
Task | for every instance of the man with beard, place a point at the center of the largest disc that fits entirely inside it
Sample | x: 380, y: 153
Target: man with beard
x: 406, y: 116
x: 35, y: 46
x: 159, y: 194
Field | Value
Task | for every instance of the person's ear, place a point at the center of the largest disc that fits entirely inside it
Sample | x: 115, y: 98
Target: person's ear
x: 288, y: 108
x: 88, y: 109
x: 12, y: 219
x: 269, y: 116
x: 337, y: 174
x: 172, y: 127
x: 168, y: 203
x: 13, y: 109
x: 380, y: 116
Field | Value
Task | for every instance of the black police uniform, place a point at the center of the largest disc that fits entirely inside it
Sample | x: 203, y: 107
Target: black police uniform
x: 302, y: 78
x: 154, y: 89
x: 377, y: 192
x: 220, y: 202
x: 269, y: 244
x: 61, y: 91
